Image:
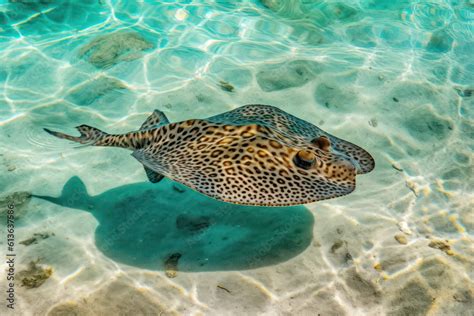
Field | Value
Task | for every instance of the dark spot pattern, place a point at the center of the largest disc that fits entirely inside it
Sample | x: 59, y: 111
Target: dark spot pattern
x: 254, y: 155
x: 247, y: 156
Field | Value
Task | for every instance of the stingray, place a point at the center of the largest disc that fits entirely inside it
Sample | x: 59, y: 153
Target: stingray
x: 253, y: 155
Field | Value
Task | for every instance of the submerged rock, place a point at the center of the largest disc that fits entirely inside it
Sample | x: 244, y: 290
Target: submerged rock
x: 108, y: 50
x: 442, y: 245
x: 401, y: 238
x: 338, y: 244
x: 397, y: 167
x: 340, y: 252
x: 224, y: 288
x: 36, y: 238
x: 91, y: 91
x: 171, y: 265
x: 378, y: 267
x: 224, y: 85
x: 19, y: 199
x: 373, y: 122
x: 287, y: 75
x: 35, y: 275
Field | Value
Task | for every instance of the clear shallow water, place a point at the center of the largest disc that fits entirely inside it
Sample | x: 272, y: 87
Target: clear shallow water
x: 393, y: 77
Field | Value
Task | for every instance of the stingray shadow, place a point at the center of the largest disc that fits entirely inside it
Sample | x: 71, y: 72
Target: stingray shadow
x: 145, y: 224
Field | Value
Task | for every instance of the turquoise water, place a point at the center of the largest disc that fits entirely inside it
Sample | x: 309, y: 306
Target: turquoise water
x: 395, y: 77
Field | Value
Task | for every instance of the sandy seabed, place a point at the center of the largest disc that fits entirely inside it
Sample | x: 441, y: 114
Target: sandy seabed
x: 96, y: 238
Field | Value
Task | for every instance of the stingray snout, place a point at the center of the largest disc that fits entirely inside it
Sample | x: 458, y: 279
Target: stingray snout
x: 347, y: 164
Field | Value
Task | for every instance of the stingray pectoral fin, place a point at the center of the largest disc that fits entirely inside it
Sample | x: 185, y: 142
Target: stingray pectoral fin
x: 156, y: 119
x: 153, y: 176
x: 140, y: 156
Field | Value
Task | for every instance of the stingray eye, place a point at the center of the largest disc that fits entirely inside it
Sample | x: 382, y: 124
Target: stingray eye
x: 322, y: 142
x: 304, y: 159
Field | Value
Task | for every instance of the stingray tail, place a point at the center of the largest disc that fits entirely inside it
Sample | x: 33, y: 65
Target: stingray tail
x: 89, y: 135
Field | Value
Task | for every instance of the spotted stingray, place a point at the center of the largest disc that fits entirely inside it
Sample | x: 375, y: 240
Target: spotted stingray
x: 255, y: 155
